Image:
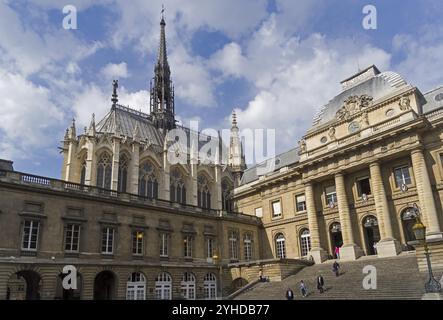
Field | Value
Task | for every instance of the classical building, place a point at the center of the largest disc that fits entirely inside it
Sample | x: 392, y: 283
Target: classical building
x: 371, y: 162
x: 148, y: 209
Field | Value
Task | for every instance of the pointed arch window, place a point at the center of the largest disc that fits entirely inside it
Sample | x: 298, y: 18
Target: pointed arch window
x: 123, y: 173
x: 227, y: 204
x: 177, y: 187
x: 148, y: 184
x: 104, y: 171
x: 203, y: 193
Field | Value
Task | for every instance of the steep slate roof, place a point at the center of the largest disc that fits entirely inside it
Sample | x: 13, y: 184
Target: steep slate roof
x: 125, y: 119
x: 379, y: 86
x: 280, y: 161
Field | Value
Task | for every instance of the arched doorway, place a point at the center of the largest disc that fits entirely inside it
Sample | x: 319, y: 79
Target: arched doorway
x: 163, y: 287
x: 69, y: 294
x: 188, y: 286
x: 210, y: 286
x: 372, y: 234
x: 136, y: 286
x: 24, y: 285
x: 336, y: 237
x: 104, y: 286
x: 408, y: 219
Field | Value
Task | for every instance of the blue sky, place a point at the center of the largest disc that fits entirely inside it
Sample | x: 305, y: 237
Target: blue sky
x: 275, y: 61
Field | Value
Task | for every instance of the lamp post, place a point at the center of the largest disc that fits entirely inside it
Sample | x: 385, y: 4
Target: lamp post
x: 217, y: 260
x: 419, y: 230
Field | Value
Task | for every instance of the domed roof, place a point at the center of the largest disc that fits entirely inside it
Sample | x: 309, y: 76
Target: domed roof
x: 370, y: 82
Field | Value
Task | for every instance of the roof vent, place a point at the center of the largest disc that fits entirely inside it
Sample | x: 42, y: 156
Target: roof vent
x: 360, y: 77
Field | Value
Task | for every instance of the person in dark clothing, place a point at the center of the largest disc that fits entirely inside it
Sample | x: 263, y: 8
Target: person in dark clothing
x: 336, y: 268
x: 289, y: 294
x: 320, y: 283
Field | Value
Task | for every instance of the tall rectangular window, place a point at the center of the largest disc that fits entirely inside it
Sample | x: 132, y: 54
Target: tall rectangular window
x: 300, y: 202
x: 331, y: 195
x: 72, y: 237
x: 248, y: 246
x: 276, y: 209
x: 108, y: 240
x: 187, y: 246
x: 30, y: 235
x: 164, y: 244
x: 363, y: 186
x: 137, y: 242
x: 402, y: 176
x: 233, y: 245
x: 209, y: 247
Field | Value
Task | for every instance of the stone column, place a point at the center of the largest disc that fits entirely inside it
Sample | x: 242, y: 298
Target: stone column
x: 318, y: 254
x: 166, y: 194
x: 135, y: 167
x: 425, y: 195
x: 349, y: 250
x: 388, y: 245
x: 71, y: 163
x: 115, y: 163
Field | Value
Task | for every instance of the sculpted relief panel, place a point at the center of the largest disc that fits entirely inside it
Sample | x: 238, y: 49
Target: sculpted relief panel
x: 353, y: 105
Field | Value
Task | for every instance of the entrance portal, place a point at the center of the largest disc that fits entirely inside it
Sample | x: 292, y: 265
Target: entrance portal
x: 24, y: 285
x: 372, y: 234
x: 104, y: 286
x: 336, y: 237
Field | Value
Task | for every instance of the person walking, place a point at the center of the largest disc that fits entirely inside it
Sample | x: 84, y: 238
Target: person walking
x: 336, y: 268
x: 337, y: 252
x: 320, y: 283
x: 303, y: 289
x: 289, y: 294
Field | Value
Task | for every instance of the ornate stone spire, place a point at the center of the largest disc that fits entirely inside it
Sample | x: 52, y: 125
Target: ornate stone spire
x: 236, y: 158
x: 114, y: 92
x: 162, y: 90
x: 71, y: 131
x: 91, y: 130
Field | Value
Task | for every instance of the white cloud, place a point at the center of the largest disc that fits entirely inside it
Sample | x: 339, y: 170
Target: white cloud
x: 229, y: 60
x: 28, y: 117
x: 91, y: 100
x: 115, y: 71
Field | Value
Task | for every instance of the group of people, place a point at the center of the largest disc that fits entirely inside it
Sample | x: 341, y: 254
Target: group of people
x: 320, y: 284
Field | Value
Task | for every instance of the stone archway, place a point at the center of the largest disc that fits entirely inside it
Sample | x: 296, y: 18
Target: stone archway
x: 24, y: 285
x: 105, y: 286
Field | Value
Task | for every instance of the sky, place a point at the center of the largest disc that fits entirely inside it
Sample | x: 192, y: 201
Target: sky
x: 276, y: 62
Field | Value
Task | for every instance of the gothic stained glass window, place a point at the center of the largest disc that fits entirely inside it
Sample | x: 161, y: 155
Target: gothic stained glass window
x: 177, y: 187
x: 123, y: 173
x: 148, y: 185
x: 104, y: 171
x: 83, y: 173
x: 227, y: 196
x: 203, y: 193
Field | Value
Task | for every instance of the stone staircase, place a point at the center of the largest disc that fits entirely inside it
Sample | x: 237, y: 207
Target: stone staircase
x: 397, y: 278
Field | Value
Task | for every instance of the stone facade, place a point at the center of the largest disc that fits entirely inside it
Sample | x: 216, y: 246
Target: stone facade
x: 370, y: 163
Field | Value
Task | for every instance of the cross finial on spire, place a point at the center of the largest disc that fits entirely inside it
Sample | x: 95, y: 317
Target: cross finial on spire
x: 114, y: 92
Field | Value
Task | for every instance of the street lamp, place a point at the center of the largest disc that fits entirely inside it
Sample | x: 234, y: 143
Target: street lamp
x: 419, y: 230
x: 217, y: 260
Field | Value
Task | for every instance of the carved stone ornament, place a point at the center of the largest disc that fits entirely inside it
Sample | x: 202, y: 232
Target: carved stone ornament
x: 364, y: 119
x: 404, y: 103
x: 302, y: 145
x: 353, y: 105
x: 331, y: 133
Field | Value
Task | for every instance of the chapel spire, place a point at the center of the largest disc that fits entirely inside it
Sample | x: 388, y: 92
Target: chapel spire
x: 162, y: 90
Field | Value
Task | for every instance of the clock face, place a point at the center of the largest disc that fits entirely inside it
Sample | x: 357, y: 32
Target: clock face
x: 353, y: 127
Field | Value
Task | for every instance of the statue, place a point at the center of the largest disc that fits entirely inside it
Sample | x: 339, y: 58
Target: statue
x: 331, y: 133
x: 364, y: 119
x: 302, y: 145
